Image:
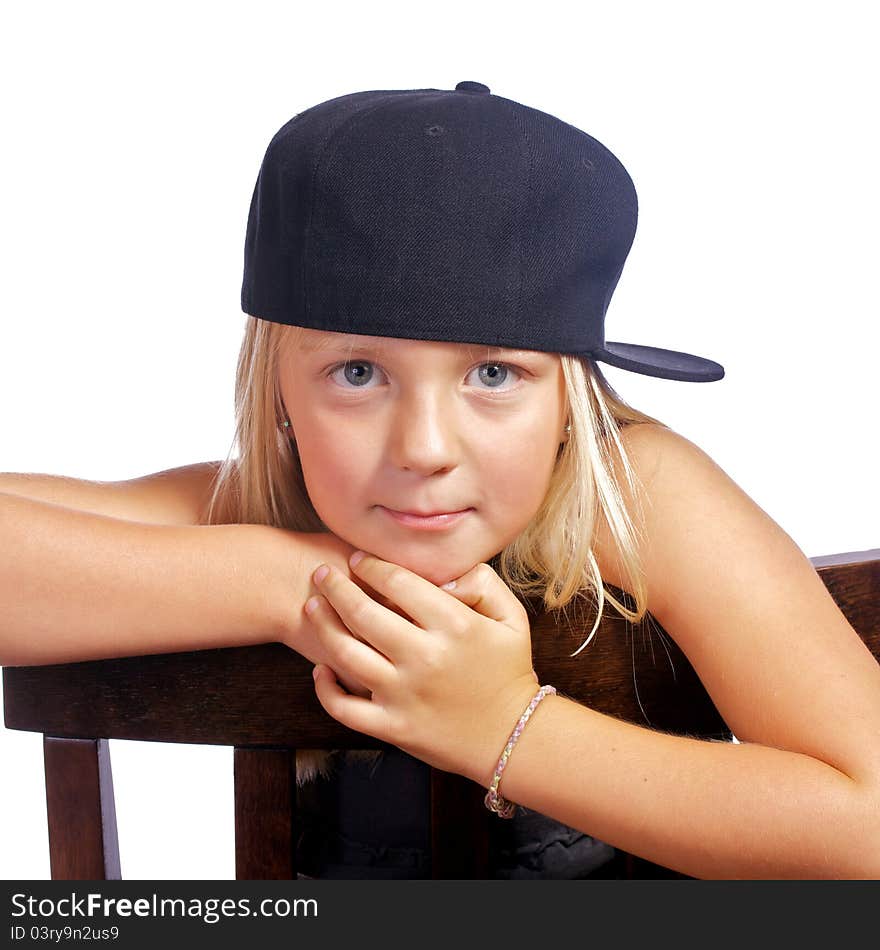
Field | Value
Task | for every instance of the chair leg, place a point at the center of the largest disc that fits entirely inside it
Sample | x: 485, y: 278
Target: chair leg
x: 459, y: 828
x: 81, y: 810
x: 265, y: 811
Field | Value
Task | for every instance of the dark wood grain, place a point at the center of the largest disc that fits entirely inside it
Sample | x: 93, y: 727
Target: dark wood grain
x: 853, y: 580
x: 81, y: 810
x: 265, y: 814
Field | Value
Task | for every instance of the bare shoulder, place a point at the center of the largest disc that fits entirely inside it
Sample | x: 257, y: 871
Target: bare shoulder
x: 683, y: 499
x: 178, y: 495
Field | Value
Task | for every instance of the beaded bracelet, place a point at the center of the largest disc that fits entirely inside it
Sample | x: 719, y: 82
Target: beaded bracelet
x: 494, y: 800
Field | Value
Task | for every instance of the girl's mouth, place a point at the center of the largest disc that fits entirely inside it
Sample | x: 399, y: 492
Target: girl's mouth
x: 435, y: 522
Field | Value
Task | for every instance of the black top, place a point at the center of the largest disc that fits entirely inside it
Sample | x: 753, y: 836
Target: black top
x: 370, y: 820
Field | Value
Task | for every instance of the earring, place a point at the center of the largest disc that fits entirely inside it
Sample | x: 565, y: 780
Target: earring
x: 568, y: 428
x: 285, y: 424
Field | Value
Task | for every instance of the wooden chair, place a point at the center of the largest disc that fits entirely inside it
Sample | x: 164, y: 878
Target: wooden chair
x: 261, y: 701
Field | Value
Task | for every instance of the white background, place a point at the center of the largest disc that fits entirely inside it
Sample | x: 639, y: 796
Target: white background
x: 133, y: 136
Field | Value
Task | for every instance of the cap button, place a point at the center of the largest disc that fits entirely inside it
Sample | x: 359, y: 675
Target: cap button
x: 468, y: 86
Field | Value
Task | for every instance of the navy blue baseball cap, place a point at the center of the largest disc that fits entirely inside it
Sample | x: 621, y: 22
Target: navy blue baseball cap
x: 453, y: 215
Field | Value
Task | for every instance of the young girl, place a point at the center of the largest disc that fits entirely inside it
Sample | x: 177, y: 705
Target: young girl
x: 428, y: 273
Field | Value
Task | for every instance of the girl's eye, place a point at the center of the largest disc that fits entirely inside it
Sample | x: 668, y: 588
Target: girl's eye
x: 358, y: 374
x: 495, y: 374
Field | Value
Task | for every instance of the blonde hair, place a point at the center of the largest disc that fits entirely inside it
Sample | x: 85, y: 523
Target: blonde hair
x: 553, y: 557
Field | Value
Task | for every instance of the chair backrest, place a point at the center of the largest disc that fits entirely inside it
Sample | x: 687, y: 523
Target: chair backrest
x: 261, y: 701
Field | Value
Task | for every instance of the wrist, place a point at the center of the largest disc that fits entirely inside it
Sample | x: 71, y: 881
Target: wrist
x: 289, y: 559
x: 494, y: 800
x: 510, y: 709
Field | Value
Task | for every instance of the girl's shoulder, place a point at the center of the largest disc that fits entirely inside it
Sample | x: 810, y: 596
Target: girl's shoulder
x: 707, y: 550
x: 680, y: 493
x: 175, y: 496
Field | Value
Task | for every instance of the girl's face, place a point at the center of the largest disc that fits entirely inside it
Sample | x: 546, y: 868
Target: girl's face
x: 419, y: 426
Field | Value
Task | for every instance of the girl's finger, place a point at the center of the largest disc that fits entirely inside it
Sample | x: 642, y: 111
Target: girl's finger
x: 362, y: 715
x: 419, y: 598
x: 390, y: 633
x: 482, y: 590
x: 352, y: 657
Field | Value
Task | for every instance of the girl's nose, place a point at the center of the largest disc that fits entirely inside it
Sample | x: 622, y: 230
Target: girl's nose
x: 424, y: 438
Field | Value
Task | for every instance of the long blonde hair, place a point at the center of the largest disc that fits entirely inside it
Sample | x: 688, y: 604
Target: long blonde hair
x: 262, y: 483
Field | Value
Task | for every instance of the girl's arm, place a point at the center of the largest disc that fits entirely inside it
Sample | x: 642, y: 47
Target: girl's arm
x: 798, y: 797
x: 77, y: 586
x: 173, y: 496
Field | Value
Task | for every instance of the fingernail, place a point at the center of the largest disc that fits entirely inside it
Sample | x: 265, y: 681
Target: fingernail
x: 450, y: 586
x: 321, y: 573
x: 311, y: 605
x: 356, y: 558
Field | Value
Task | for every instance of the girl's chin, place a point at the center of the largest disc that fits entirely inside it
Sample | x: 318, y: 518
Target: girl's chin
x: 431, y: 571
x: 427, y: 564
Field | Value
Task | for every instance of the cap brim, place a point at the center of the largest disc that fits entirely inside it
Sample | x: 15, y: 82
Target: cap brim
x: 666, y: 364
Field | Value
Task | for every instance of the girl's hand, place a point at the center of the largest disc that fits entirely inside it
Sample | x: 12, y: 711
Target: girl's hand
x: 450, y: 674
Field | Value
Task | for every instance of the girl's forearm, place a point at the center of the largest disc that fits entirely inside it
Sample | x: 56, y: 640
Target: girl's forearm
x: 79, y: 586
x: 705, y: 809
